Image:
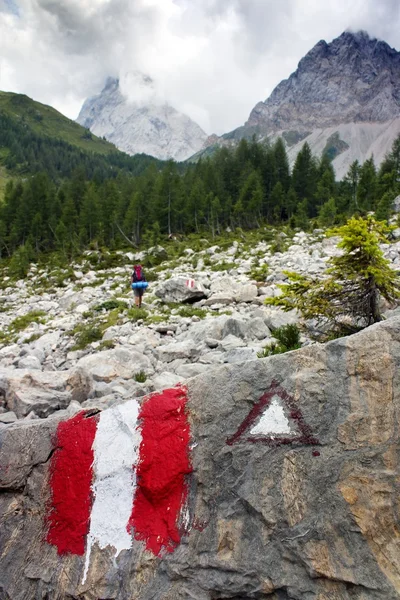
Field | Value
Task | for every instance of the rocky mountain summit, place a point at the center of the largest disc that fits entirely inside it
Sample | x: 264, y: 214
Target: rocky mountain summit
x: 141, y: 127
x: 353, y: 79
x: 343, y: 98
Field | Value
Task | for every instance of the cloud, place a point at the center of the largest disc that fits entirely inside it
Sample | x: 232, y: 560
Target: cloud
x: 213, y: 59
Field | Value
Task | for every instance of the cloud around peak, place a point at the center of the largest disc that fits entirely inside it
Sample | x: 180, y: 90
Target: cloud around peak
x: 211, y: 59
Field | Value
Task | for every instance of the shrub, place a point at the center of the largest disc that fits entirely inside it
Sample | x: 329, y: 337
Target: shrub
x: 107, y: 345
x: 86, y: 336
x: 190, y: 311
x: 224, y: 266
x: 20, y: 323
x: 140, y: 377
x: 349, y: 295
x: 288, y: 338
x: 135, y: 314
x: 259, y: 273
x: 111, y: 304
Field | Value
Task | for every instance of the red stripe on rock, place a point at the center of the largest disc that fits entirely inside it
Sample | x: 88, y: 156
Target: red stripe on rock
x: 162, y: 471
x: 70, y: 482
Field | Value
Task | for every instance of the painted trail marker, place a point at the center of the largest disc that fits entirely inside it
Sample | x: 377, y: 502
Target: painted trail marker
x: 121, y: 474
x: 274, y: 420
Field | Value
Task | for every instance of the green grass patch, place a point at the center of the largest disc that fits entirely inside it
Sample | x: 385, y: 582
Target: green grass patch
x: 259, y: 273
x: 156, y: 319
x: 224, y: 266
x: 87, y: 334
x: 21, y: 323
x: 140, y: 377
x: 107, y: 345
x: 111, y: 305
x: 190, y: 311
x: 287, y: 338
x: 135, y: 314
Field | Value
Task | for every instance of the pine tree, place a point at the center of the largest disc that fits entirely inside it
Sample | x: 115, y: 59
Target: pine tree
x: 327, y: 213
x: 282, y: 164
x: 367, y: 186
x: 305, y: 177
x: 349, y: 297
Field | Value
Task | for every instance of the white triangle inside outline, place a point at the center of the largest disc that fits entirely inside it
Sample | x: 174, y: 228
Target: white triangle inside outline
x: 273, y: 421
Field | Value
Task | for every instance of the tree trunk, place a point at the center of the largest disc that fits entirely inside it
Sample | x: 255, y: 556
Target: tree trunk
x: 374, y: 312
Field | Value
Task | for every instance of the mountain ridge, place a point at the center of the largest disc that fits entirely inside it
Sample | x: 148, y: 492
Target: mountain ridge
x: 152, y: 128
x: 348, y: 88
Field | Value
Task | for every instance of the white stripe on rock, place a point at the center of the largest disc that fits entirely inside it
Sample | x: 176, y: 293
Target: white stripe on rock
x: 116, y: 450
x: 273, y: 421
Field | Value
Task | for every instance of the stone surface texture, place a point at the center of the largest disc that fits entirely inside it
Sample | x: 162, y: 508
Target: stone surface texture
x: 270, y: 518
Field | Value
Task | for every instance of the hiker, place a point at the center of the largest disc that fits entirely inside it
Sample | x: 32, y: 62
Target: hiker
x: 137, y: 276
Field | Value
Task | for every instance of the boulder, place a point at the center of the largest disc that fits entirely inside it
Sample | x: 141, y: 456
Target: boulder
x: 246, y: 293
x: 165, y: 380
x: 122, y: 361
x: 43, y: 392
x: 177, y: 350
x: 8, y: 417
x: 276, y: 479
x: 29, y: 362
x: 275, y: 317
x: 181, y: 289
x: 217, y: 328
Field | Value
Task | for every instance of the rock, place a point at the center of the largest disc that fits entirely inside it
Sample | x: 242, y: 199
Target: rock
x: 217, y: 328
x: 29, y: 362
x: 230, y: 342
x: 43, y: 392
x: 166, y: 327
x: 292, y: 487
x: 275, y: 317
x: 8, y: 417
x: 396, y: 204
x: 396, y: 232
x: 122, y: 361
x: 239, y: 355
x: 226, y: 285
x: 211, y: 342
x: 170, y: 352
x: 47, y: 342
x: 180, y: 289
x: 186, y: 371
x: 71, y: 299
x: 220, y: 299
x: 165, y: 380
x: 256, y: 329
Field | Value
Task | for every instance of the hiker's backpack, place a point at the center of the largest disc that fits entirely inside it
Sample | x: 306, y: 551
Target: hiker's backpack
x: 137, y: 274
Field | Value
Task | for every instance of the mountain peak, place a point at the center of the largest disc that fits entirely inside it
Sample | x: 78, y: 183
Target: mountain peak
x: 128, y: 114
x: 354, y: 78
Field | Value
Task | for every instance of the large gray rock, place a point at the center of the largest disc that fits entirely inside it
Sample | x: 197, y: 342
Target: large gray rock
x: 180, y: 289
x: 217, y: 328
x: 176, y: 350
x: 122, y: 362
x: 293, y: 494
x: 43, y: 392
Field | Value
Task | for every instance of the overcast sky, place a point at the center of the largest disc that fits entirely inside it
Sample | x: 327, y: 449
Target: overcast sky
x: 212, y: 59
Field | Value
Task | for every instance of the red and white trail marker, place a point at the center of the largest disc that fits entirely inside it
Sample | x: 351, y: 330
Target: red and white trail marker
x: 121, y: 474
x: 274, y: 420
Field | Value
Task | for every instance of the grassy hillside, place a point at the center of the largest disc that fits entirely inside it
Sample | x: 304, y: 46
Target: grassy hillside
x: 36, y: 138
x: 45, y: 120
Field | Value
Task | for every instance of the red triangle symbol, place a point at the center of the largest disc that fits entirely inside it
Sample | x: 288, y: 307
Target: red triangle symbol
x: 274, y: 420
